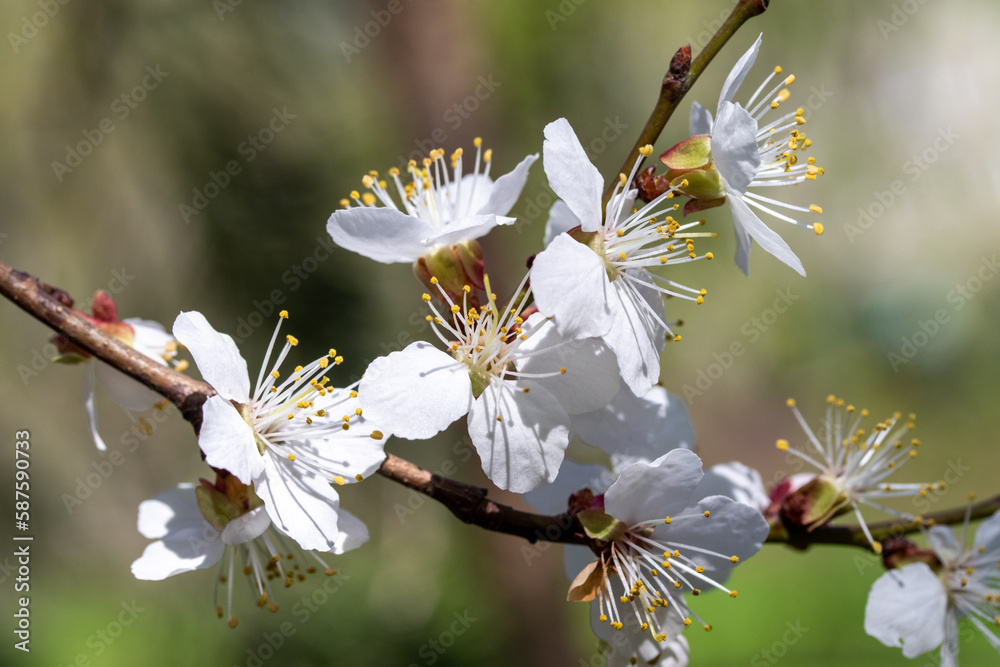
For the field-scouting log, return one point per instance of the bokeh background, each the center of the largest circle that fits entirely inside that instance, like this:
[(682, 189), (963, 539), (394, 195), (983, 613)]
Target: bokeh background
[(901, 98)]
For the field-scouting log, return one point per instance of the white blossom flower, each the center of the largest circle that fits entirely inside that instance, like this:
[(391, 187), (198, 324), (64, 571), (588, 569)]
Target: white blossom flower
[(238, 531), (853, 464), (144, 336), (661, 539), (592, 279), (292, 437), (439, 207), (517, 380), (918, 608), (748, 154)]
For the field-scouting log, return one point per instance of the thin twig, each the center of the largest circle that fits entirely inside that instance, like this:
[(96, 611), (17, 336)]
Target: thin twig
[(681, 75)]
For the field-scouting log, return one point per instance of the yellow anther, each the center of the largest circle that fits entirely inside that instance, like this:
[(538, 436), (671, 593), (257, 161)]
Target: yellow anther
[(339, 481), (707, 514), (782, 445), (345, 203), (709, 255), (667, 521), (355, 194), (783, 95), (368, 199), (818, 228), (426, 297), (734, 559), (777, 69), (292, 340), (487, 155), (646, 150)]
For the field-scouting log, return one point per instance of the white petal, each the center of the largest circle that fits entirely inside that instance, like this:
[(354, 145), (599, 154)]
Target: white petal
[(636, 336), (570, 283), (151, 338), (126, 392), (90, 406), (561, 219), (906, 607), (466, 229), (701, 120), (647, 426), (219, 360), (767, 239), (228, 441), (743, 243), (188, 541), (246, 527), (383, 234), (165, 558), (591, 377), (417, 392), (301, 505), (554, 498), (988, 535), (732, 529), (353, 533), (737, 481), (508, 188), (739, 72), (520, 436), (944, 543), (571, 174), (655, 490), (350, 454), (734, 147), (171, 512)]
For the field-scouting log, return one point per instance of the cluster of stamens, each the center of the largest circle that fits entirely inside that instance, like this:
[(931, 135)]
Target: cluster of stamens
[(780, 155), (645, 574), (266, 561), (436, 192), (484, 338), (650, 237), (857, 461), (302, 407)]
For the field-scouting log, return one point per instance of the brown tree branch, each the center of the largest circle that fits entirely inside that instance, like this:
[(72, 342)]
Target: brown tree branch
[(468, 503), (681, 75)]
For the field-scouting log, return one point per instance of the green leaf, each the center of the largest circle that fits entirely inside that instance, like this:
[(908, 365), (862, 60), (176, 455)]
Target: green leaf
[(600, 525)]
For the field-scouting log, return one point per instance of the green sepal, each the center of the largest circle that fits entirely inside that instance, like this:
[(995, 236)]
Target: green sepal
[(703, 184), (824, 499), (692, 153), (600, 525), (68, 359), (217, 509)]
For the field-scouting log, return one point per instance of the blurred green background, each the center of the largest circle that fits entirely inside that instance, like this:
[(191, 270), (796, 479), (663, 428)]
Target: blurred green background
[(901, 97)]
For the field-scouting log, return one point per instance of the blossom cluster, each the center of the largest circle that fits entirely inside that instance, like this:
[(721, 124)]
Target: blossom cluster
[(564, 360)]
